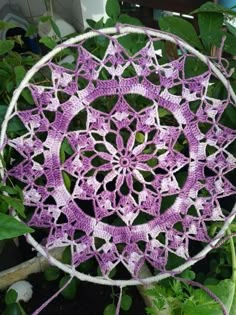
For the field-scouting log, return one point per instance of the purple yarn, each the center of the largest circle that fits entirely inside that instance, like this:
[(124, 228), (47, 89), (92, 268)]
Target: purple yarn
[(124, 160)]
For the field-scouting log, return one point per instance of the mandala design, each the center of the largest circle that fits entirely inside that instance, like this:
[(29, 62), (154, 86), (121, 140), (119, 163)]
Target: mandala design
[(99, 163)]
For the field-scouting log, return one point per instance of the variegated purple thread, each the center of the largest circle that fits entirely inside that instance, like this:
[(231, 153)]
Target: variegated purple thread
[(137, 155)]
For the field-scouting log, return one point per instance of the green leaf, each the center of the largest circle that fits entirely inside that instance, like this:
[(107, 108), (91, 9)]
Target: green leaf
[(91, 23), (31, 30), (231, 28), (127, 41), (13, 59), (55, 28), (139, 137), (213, 7), (225, 290), (209, 25), (70, 291), (15, 204), (10, 296), (3, 206), (51, 273), (66, 180), (8, 189), (188, 274), (48, 42), (3, 109), (181, 28), (10, 86), (20, 73), (126, 302), (113, 8), (22, 310), (6, 46), (201, 303), (15, 125), (99, 24), (87, 266), (110, 309), (45, 18), (101, 41), (10, 227), (110, 22), (66, 256), (12, 309), (27, 96), (194, 67), (162, 112), (233, 306), (211, 281), (230, 44), (126, 19), (6, 25), (6, 67)]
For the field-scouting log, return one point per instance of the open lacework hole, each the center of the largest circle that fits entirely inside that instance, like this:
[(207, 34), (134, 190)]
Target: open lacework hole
[(114, 220), (66, 150), (91, 46), (231, 148), (204, 127), (228, 117), (129, 72), (104, 75), (82, 83), (176, 89), (104, 103), (39, 158), (231, 176), (26, 100), (41, 181), (195, 105), (216, 89), (167, 202), (138, 102), (15, 127), (143, 218), (86, 206), (67, 58), (69, 181), (127, 42), (210, 150), (11, 157), (181, 145), (154, 78), (79, 121), (194, 67), (166, 118), (181, 176)]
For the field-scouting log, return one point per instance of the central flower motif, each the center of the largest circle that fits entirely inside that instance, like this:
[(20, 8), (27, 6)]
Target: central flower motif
[(124, 166), (125, 162)]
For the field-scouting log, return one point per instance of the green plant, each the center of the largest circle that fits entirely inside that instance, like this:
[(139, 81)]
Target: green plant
[(12, 306), (125, 304)]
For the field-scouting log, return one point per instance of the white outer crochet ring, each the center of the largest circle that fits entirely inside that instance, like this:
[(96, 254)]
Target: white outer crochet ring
[(120, 29)]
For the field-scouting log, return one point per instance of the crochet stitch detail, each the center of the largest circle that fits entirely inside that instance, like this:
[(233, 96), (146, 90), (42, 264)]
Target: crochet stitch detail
[(108, 150)]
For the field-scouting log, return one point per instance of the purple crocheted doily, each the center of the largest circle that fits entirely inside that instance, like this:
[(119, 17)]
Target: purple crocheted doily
[(99, 163)]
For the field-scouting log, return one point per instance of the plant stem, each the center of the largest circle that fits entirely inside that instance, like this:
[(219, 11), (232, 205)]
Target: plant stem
[(233, 255)]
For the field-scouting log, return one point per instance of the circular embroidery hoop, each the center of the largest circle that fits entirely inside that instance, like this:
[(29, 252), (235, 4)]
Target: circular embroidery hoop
[(123, 157)]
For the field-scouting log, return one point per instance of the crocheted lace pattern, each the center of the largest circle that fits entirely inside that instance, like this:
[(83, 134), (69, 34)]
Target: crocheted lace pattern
[(108, 142)]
